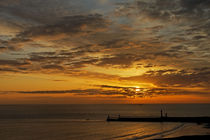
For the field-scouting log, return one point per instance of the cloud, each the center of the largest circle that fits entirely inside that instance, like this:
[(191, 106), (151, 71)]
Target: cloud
[(8, 70), (38, 10), (13, 62), (85, 92), (2, 48), (175, 78), (52, 67), (68, 25), (167, 39), (169, 10), (118, 92), (122, 49)]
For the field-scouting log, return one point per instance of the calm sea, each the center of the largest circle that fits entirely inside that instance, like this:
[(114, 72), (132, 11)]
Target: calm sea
[(78, 122)]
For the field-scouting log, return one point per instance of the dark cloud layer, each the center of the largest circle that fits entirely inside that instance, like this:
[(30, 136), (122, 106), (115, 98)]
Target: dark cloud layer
[(169, 10), (13, 63), (176, 78), (67, 25), (126, 92)]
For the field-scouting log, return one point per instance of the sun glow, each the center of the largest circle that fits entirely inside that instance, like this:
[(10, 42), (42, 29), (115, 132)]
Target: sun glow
[(137, 88)]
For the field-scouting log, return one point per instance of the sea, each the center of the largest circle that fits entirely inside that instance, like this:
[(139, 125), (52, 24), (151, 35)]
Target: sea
[(88, 121)]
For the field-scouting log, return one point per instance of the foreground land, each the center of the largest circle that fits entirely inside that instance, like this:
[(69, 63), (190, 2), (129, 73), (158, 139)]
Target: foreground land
[(197, 137)]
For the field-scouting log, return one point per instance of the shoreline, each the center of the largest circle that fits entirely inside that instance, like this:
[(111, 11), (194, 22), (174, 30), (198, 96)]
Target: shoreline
[(201, 137), (190, 137)]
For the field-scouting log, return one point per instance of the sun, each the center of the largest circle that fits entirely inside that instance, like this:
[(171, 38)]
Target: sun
[(137, 89)]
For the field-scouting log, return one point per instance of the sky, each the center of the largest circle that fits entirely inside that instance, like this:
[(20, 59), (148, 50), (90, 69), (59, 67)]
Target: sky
[(104, 51)]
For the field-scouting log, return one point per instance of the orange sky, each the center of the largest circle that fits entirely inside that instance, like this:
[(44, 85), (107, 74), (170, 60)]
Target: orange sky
[(105, 51)]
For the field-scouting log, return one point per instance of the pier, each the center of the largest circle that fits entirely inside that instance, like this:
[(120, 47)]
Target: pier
[(161, 119)]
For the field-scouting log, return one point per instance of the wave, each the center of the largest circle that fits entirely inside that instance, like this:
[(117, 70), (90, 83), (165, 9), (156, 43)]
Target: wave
[(126, 135), (167, 132)]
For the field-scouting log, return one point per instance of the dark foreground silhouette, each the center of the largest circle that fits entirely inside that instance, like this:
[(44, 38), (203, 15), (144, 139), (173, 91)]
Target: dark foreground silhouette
[(162, 119), (197, 137)]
